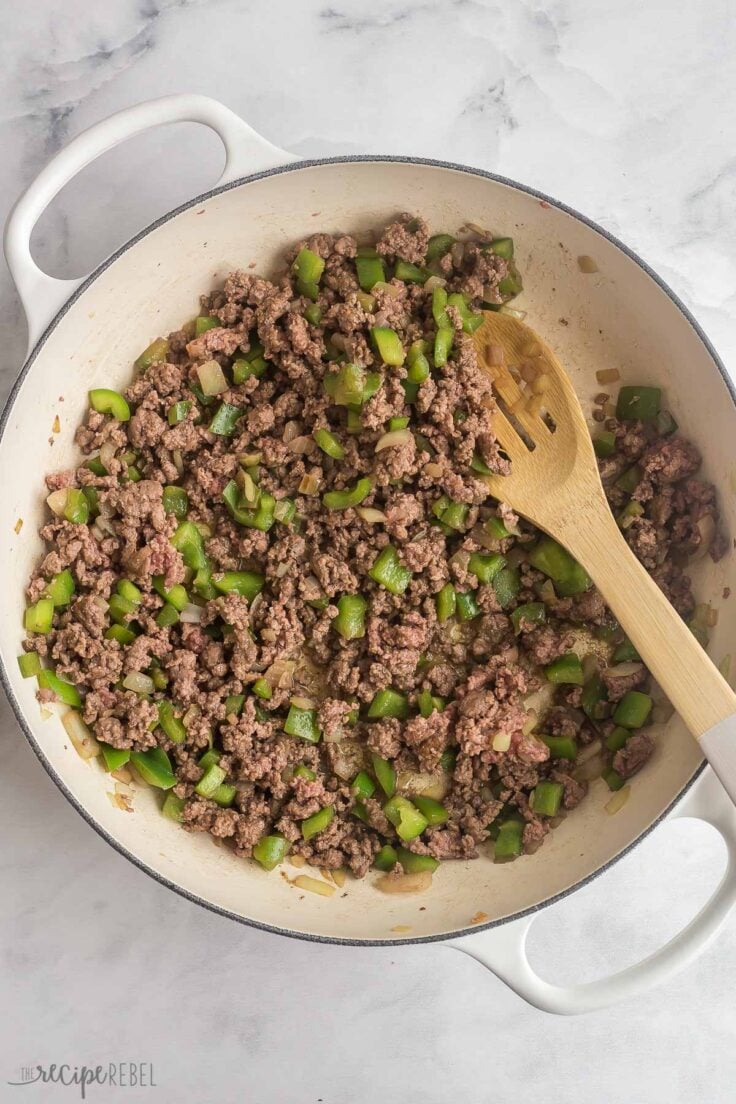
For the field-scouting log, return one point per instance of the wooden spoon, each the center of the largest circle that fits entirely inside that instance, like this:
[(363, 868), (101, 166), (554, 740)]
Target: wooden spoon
[(556, 485)]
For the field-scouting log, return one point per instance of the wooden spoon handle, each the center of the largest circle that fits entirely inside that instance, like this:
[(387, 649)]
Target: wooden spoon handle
[(689, 678)]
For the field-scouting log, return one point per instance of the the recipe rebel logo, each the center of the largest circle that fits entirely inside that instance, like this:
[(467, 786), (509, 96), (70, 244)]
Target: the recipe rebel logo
[(116, 1075)]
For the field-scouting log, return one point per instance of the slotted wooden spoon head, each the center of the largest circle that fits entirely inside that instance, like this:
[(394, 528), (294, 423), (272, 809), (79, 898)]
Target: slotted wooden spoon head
[(540, 426)]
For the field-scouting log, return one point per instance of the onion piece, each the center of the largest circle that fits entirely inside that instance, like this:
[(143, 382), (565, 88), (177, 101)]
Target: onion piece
[(370, 514), (248, 459), (617, 802), (191, 614), (107, 454), (513, 312), (530, 723), (303, 703), (608, 375), (405, 883), (191, 714), (56, 501), (412, 783), (502, 741), (303, 881), (434, 282), (178, 461), (302, 446), (309, 484), (211, 378), (393, 439), (139, 683), (590, 770), (624, 670), (705, 525), (339, 877), (82, 739)]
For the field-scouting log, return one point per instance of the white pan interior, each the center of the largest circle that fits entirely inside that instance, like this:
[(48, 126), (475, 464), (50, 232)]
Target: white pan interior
[(618, 317)]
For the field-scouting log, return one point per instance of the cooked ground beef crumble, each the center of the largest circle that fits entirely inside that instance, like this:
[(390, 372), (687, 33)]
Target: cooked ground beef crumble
[(241, 627)]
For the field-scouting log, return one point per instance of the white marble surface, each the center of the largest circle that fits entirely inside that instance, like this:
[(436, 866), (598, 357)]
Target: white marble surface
[(622, 108)]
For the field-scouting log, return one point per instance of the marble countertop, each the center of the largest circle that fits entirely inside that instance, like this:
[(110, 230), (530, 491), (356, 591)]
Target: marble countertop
[(624, 110)]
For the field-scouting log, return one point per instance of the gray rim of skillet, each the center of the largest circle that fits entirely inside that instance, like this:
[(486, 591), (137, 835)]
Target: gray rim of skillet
[(295, 167)]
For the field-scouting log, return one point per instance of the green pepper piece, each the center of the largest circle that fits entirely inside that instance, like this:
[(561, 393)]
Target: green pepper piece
[(389, 572), (167, 616), (329, 443), (629, 480), (467, 605), (270, 851), (633, 709), (212, 778), (234, 705), (363, 785), (439, 305), (388, 703), (210, 758), (154, 767), (284, 511), (448, 759), (246, 583), (389, 345), (170, 723), (434, 812), (317, 822), (455, 515), (414, 864), (604, 444), (76, 509), (224, 795), (385, 774), (638, 404), (613, 779), (551, 558), (155, 353), (173, 808), (121, 633), (496, 528), (96, 466), (411, 390), (350, 620), (343, 500), (442, 345), (509, 841), (359, 810), (471, 320), (567, 669), (225, 419), (29, 664), (121, 609), (175, 595), (260, 517), (418, 370), (439, 244), (485, 566), (429, 703), (175, 501), (187, 539), (38, 618), (446, 602), (303, 723), (129, 591), (204, 323), (625, 653), (303, 771), (511, 285), (178, 412), (532, 613), (410, 273), (546, 798), (405, 817), (243, 369), (309, 266), (313, 314), (370, 271), (561, 747), (63, 691), (115, 758), (616, 739), (262, 689), (60, 588), (507, 585), (105, 401), (478, 464), (503, 247), (594, 698), (397, 423), (386, 858)]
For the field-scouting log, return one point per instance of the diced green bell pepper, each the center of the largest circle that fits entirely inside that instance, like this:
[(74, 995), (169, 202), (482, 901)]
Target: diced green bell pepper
[(633, 709), (388, 703), (317, 822), (567, 669), (303, 723), (389, 572), (405, 817), (154, 767)]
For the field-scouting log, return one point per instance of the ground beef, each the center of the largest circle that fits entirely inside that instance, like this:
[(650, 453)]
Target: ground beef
[(264, 643)]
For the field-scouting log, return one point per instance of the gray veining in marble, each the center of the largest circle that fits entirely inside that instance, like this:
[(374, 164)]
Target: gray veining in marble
[(622, 108)]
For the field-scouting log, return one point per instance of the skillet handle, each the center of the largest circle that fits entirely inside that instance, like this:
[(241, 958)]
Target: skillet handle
[(503, 949), (43, 296)]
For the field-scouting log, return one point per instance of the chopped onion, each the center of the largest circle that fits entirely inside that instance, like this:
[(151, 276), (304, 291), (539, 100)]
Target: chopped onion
[(370, 514), (191, 614), (433, 470), (302, 446), (297, 860), (107, 454), (82, 739), (139, 683), (589, 665), (405, 883), (249, 459), (588, 771), (705, 525), (513, 312), (624, 670), (587, 264), (391, 290), (589, 751), (178, 461), (251, 493), (339, 876), (100, 602), (502, 741), (280, 675), (608, 375), (106, 526), (191, 714), (530, 723), (282, 569), (309, 484), (303, 703), (56, 501), (122, 774), (434, 282), (618, 800), (303, 881), (349, 758), (393, 439), (457, 251), (423, 783), (211, 378)]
